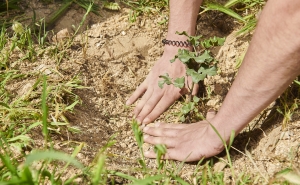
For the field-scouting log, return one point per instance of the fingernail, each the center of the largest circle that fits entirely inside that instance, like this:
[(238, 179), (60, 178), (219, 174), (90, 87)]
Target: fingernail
[(146, 120), (146, 136), (127, 102), (145, 128), (157, 124), (146, 153), (142, 126)]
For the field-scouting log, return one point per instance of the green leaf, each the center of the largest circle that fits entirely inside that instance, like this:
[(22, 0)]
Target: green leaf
[(23, 138), (45, 109), (123, 175), (206, 70), (71, 107), (52, 155), (193, 40), (297, 82), (173, 60), (184, 57), (161, 83), (231, 3), (179, 82), (182, 33), (27, 175), (160, 148), (221, 8), (187, 107), (196, 77), (232, 135), (166, 80), (148, 180), (4, 105), (182, 119), (181, 181), (289, 175), (111, 5), (196, 99), (202, 58)]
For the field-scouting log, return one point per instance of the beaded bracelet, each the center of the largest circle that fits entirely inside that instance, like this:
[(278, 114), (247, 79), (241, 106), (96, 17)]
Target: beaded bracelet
[(176, 43)]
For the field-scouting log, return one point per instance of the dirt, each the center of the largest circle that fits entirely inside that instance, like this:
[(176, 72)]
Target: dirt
[(115, 56)]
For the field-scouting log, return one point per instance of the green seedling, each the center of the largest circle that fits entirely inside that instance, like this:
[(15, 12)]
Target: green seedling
[(190, 108), (160, 151), (140, 141), (140, 7), (227, 147), (199, 65), (208, 6), (111, 5)]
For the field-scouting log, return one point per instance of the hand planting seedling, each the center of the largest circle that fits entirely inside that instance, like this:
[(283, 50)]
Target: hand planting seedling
[(199, 65)]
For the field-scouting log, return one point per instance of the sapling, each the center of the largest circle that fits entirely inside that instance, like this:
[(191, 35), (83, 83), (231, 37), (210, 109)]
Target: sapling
[(199, 64)]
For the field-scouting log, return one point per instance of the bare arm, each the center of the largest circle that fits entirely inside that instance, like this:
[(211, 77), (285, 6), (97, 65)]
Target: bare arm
[(272, 62), (154, 100)]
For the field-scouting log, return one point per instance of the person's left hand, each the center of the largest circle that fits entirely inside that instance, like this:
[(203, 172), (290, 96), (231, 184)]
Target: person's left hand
[(184, 142)]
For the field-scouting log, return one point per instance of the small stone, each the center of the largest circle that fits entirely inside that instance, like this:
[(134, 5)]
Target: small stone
[(61, 35), (123, 33)]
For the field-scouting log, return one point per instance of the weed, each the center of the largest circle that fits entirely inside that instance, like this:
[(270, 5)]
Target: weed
[(144, 7), (140, 140), (199, 65)]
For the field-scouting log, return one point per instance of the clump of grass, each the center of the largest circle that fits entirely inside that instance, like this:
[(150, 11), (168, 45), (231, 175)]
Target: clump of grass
[(139, 7), (245, 11)]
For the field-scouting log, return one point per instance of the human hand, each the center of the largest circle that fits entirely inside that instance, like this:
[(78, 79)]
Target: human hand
[(155, 100), (185, 142)]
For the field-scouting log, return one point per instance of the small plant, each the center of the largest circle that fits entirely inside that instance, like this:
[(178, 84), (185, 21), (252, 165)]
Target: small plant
[(140, 141), (199, 65), (140, 7)]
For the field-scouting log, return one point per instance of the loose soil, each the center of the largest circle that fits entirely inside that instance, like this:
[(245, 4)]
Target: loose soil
[(114, 56)]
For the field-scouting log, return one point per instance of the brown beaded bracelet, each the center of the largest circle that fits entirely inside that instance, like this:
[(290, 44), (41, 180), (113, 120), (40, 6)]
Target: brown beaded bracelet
[(176, 43)]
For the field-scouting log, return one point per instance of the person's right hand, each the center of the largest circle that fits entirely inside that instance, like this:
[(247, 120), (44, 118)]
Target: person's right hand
[(155, 100)]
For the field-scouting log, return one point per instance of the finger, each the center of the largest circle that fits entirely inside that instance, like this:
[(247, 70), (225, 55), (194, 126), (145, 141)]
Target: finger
[(170, 125), (164, 103), (148, 107), (174, 154), (137, 93), (210, 114), (142, 102), (161, 132), (169, 142)]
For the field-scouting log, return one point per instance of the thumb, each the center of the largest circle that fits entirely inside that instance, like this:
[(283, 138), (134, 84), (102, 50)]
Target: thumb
[(210, 114)]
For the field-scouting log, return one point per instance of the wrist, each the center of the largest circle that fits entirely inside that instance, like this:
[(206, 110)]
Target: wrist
[(223, 128)]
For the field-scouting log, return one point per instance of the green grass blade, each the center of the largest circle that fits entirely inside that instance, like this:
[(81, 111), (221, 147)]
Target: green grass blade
[(53, 155), (148, 180), (45, 109), (123, 175), (231, 3), (181, 181), (97, 174), (221, 8)]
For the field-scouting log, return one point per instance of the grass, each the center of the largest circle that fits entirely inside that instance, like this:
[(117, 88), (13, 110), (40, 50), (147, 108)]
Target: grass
[(41, 102)]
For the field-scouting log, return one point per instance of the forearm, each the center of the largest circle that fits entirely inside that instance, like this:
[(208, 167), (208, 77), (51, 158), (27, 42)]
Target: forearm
[(270, 65), (183, 17)]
